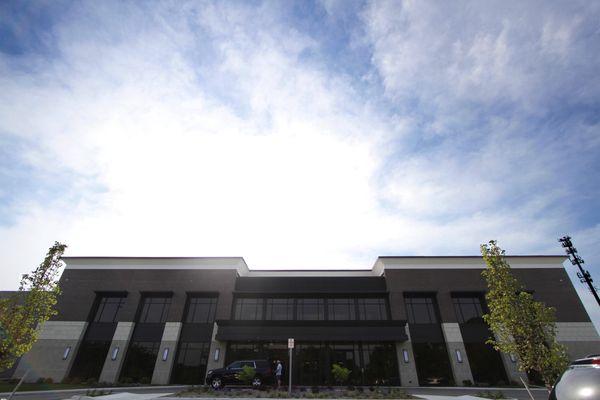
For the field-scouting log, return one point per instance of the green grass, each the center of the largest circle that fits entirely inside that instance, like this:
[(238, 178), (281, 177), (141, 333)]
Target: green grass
[(8, 387)]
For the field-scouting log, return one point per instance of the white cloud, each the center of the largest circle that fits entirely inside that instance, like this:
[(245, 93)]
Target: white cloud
[(202, 130)]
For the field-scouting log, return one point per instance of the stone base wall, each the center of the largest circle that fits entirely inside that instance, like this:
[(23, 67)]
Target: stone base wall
[(45, 359)]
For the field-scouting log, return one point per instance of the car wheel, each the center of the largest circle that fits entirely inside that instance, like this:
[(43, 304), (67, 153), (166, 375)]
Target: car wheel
[(216, 383), (256, 382)]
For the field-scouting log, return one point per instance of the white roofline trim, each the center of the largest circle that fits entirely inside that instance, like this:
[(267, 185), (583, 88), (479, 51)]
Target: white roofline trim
[(516, 262), (239, 264)]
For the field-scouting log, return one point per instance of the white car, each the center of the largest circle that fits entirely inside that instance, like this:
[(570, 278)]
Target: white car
[(581, 381)]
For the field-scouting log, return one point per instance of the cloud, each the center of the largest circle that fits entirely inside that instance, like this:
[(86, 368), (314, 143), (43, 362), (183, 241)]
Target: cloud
[(500, 100), (309, 136)]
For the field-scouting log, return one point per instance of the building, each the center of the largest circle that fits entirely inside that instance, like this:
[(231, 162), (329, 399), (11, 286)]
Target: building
[(406, 321)]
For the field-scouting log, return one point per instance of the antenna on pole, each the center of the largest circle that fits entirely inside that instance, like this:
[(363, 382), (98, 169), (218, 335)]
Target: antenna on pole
[(584, 276)]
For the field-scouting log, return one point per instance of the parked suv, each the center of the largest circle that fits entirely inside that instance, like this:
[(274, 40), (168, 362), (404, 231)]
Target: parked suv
[(581, 381), (217, 378)]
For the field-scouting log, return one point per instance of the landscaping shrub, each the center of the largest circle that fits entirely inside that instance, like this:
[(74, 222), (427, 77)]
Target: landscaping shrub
[(247, 374)]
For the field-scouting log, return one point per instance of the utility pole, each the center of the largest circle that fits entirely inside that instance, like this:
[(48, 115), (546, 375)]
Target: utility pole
[(584, 276)]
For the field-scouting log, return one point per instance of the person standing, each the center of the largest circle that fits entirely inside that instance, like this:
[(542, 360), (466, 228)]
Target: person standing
[(278, 373)]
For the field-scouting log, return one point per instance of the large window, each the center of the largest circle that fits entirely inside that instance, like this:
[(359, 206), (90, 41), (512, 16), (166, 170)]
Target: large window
[(485, 362), (249, 308), (108, 308), (369, 363), (190, 366), (370, 309), (311, 309), (380, 364), (90, 359), (140, 361), (94, 347), (341, 309), (421, 309), (201, 310), (433, 366), (154, 309), (279, 309), (468, 309)]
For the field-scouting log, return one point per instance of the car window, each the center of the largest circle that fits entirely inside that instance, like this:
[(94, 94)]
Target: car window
[(237, 364), (247, 364)]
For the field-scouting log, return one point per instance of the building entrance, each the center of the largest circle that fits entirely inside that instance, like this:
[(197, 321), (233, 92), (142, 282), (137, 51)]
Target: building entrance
[(369, 363)]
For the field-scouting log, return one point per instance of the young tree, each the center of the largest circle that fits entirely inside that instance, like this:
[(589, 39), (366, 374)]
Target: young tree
[(522, 326), (23, 314)]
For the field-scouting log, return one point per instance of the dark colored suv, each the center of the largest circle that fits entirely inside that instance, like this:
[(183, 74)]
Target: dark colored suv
[(217, 378)]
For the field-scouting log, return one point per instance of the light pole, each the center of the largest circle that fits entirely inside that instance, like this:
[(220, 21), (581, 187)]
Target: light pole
[(584, 276)]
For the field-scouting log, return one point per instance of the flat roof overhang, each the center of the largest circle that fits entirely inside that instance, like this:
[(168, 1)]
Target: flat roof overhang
[(312, 331)]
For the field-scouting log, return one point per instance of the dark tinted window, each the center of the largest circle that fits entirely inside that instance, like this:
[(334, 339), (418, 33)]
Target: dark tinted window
[(236, 364), (433, 365), (420, 310), (372, 309), (201, 310), (90, 359), (280, 309), (261, 364), (468, 309), (154, 309), (140, 361), (108, 308), (341, 309), (191, 362), (311, 309), (248, 308)]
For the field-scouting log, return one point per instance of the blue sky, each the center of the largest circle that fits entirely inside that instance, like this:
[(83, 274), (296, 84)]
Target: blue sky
[(298, 134)]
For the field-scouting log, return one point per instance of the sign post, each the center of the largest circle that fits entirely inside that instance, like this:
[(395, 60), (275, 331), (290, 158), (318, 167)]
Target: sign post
[(290, 347)]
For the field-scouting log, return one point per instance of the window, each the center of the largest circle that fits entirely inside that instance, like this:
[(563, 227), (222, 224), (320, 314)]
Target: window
[(468, 309), (108, 308), (248, 308), (341, 309), (280, 309), (421, 309), (311, 309), (486, 364), (235, 365), (190, 366), (201, 310), (433, 365), (372, 309), (154, 309), (139, 362), (90, 359)]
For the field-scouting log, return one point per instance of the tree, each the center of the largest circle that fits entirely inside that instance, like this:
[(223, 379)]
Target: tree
[(23, 314), (522, 326)]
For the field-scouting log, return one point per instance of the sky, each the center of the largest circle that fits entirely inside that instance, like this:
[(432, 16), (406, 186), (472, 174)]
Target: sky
[(309, 134)]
